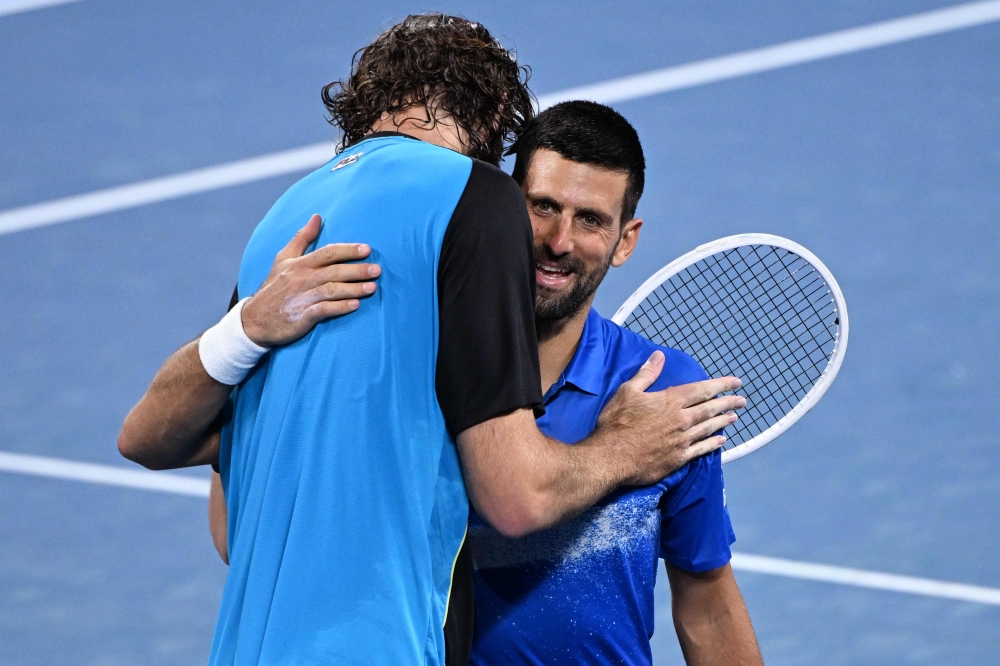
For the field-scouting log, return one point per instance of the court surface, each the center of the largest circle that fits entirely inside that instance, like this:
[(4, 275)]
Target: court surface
[(884, 161)]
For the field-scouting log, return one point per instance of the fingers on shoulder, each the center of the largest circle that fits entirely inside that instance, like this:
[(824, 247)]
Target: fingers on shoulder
[(705, 446), (648, 373), (302, 238), (335, 253), (332, 291), (699, 392), (331, 308)]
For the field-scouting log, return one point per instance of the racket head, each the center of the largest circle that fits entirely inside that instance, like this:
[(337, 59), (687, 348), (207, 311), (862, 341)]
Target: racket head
[(790, 257)]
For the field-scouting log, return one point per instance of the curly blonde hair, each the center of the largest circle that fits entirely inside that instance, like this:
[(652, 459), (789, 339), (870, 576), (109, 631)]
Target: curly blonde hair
[(445, 63)]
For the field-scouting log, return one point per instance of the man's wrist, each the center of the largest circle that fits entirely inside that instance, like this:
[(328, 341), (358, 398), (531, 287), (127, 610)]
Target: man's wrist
[(251, 327), (225, 350), (605, 450)]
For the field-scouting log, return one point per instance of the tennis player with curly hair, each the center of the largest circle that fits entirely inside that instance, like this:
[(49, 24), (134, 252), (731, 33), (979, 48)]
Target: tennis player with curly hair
[(352, 429)]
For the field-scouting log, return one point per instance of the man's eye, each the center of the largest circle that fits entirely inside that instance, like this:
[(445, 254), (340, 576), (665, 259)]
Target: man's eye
[(543, 207)]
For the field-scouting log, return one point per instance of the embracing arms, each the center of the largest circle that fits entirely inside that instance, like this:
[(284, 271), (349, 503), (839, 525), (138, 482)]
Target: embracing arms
[(175, 424), (521, 481), (518, 479)]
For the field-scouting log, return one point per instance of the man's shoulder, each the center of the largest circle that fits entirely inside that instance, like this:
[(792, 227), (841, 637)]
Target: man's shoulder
[(490, 186), (491, 213), (626, 351), (405, 161)]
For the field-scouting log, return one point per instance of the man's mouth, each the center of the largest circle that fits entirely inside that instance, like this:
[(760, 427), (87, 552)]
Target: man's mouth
[(551, 277)]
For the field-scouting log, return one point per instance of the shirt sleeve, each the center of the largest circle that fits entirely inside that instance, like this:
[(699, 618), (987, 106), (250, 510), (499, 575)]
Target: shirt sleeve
[(487, 349), (695, 529)]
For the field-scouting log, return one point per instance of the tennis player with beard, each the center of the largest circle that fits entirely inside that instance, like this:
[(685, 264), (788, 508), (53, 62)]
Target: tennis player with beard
[(351, 442), (582, 592)]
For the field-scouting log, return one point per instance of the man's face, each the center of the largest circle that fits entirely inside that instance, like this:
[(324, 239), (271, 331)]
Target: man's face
[(575, 214)]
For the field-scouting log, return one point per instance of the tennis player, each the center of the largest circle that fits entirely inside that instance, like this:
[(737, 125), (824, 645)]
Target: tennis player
[(582, 592), (340, 453)]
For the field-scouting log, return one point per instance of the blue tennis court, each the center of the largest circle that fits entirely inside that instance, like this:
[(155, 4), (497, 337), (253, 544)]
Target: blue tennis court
[(884, 160)]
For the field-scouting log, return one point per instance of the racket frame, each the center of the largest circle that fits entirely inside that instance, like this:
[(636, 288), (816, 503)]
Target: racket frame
[(840, 341)]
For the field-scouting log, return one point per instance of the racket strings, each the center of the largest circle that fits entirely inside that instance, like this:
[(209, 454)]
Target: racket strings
[(729, 305), (796, 374), (773, 333), (758, 312), (774, 337)]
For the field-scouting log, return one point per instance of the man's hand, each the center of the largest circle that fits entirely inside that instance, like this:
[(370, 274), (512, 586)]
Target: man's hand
[(176, 424), (662, 431), (304, 289)]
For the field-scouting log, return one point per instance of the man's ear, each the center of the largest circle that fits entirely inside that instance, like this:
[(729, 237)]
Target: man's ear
[(626, 246)]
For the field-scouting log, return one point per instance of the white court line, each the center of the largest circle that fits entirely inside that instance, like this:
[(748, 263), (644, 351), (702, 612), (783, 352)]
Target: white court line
[(795, 52), (616, 90), (187, 485), (103, 474), (168, 187), (17, 6), (875, 580)]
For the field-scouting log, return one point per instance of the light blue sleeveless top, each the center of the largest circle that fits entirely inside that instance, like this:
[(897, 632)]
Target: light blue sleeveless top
[(346, 501)]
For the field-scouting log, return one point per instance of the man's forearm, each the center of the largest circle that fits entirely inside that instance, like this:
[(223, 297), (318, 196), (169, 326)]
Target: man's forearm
[(521, 481), (575, 477), (553, 482), (711, 619), (172, 425)]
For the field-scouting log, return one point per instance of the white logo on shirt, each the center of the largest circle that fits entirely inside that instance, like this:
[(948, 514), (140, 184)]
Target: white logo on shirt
[(347, 161)]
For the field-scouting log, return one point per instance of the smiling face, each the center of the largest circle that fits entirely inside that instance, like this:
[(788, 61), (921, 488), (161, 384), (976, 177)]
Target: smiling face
[(575, 214)]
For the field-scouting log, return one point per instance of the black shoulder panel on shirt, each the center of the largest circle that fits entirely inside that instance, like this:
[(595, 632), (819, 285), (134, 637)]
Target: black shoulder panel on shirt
[(487, 349)]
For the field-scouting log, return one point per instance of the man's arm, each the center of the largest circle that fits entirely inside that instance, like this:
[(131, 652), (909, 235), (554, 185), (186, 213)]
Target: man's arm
[(488, 378), (175, 422), (711, 619), (521, 481)]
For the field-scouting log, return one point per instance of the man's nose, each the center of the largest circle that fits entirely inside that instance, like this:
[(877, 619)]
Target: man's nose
[(560, 237)]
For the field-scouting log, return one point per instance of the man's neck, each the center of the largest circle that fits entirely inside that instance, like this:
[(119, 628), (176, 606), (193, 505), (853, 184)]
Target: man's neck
[(557, 345), (416, 121)]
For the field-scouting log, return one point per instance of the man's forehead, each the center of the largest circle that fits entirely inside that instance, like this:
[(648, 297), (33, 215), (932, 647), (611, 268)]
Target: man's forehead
[(574, 183)]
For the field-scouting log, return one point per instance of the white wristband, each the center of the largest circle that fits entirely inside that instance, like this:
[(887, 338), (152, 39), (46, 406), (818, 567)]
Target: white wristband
[(226, 351)]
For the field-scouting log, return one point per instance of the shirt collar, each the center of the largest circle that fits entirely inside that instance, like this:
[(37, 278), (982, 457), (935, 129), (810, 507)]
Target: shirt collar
[(586, 369), (381, 135)]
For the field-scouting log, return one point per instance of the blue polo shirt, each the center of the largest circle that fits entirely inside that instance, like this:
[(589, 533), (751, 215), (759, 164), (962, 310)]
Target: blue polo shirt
[(582, 592)]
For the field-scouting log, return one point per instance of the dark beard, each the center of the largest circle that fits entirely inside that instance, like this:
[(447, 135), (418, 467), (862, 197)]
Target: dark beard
[(552, 311)]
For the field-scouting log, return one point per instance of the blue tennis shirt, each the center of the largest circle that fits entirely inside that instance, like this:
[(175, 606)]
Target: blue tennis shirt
[(582, 592), (347, 507)]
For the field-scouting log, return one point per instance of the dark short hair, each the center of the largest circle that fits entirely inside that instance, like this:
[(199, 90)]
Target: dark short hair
[(445, 63), (589, 133)]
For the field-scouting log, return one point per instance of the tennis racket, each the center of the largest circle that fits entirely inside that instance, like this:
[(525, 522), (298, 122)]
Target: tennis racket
[(757, 307)]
